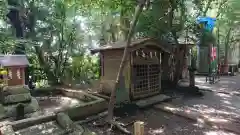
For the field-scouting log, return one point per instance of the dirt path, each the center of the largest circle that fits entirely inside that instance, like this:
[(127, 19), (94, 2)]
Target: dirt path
[(161, 123), (227, 84), (221, 105)]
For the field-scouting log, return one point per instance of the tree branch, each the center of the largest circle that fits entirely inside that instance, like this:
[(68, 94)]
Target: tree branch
[(220, 8), (207, 7)]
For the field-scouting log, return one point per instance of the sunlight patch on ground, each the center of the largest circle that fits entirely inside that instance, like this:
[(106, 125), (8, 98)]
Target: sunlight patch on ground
[(222, 89), (218, 133), (211, 114), (224, 95), (227, 82), (52, 104), (215, 120), (226, 102), (203, 87), (209, 110), (230, 107), (48, 128), (172, 109), (156, 131)]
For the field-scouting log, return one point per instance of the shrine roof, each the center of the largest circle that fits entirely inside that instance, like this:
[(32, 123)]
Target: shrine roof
[(121, 44), (13, 60)]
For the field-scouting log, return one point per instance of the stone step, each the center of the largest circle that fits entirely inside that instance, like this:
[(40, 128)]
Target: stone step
[(152, 100)]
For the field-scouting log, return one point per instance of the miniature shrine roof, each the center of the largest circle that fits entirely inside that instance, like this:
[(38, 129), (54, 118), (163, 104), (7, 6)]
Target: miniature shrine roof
[(121, 44), (13, 60)]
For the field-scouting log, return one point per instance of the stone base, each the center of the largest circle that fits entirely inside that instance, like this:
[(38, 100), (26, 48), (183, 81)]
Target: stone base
[(10, 110), (15, 94), (152, 100)]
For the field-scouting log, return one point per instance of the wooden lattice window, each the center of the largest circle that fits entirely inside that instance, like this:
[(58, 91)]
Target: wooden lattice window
[(141, 78), (153, 76), (146, 79)]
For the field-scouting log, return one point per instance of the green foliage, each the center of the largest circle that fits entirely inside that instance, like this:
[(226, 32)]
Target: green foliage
[(64, 30), (152, 21)]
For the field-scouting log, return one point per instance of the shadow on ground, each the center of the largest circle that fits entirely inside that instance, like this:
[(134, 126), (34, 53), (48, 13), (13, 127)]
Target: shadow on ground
[(161, 123)]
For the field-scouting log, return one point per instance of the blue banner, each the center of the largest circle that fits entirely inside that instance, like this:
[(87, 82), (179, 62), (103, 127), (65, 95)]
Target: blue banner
[(208, 21)]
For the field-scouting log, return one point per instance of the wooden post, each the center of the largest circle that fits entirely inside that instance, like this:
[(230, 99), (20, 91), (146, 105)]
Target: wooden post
[(139, 128)]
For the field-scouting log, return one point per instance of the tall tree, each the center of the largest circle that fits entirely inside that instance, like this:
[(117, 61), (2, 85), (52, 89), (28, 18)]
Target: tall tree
[(112, 101), (17, 17)]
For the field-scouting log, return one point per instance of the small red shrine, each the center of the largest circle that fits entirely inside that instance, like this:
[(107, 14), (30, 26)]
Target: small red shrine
[(15, 66)]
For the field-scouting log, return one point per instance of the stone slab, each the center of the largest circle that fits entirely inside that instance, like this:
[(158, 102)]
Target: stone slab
[(177, 111), (16, 98), (12, 90), (152, 100)]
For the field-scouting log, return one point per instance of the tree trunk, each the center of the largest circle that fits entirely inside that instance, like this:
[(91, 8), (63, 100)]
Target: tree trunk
[(218, 46), (226, 49), (192, 72), (192, 79), (16, 18), (112, 101)]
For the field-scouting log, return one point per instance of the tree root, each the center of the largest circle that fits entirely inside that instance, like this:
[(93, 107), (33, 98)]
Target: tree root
[(114, 124), (92, 118), (119, 126)]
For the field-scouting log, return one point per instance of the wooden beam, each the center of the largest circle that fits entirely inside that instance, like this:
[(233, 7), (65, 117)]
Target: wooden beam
[(139, 128)]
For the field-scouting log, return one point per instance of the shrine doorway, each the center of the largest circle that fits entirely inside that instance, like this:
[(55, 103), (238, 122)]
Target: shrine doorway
[(146, 73)]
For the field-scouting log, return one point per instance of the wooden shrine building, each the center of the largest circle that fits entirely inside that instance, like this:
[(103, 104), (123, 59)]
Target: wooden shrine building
[(142, 72), (15, 66)]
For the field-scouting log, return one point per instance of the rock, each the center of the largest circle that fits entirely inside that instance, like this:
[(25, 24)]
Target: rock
[(65, 122), (31, 107), (77, 130), (107, 86), (7, 130)]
